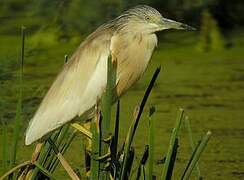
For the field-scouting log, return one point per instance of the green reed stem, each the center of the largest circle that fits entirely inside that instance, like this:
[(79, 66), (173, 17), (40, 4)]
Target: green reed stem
[(63, 150), (128, 142), (44, 171), (189, 130), (95, 164), (58, 140), (114, 146), (195, 156), (41, 159), (18, 118), (173, 140), (141, 174), (4, 147), (151, 143), (137, 115), (106, 105)]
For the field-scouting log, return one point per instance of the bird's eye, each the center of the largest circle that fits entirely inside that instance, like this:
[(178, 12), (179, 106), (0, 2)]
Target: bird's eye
[(148, 18)]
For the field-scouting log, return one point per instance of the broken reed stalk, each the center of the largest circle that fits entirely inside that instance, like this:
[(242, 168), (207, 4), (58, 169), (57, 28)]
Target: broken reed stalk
[(62, 160), (36, 152), (172, 145), (11, 171), (41, 159), (195, 156), (58, 140), (45, 154), (47, 158), (81, 129), (63, 150)]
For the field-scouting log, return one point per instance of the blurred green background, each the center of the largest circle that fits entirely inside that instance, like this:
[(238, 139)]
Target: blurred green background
[(202, 72)]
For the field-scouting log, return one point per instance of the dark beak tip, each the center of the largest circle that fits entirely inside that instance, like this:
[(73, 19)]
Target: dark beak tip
[(193, 29), (188, 28)]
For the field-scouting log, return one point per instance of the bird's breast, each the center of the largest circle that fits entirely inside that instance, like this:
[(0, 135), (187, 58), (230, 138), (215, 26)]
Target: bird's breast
[(133, 53)]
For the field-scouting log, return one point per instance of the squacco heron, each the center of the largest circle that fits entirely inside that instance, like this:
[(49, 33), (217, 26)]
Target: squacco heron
[(130, 39)]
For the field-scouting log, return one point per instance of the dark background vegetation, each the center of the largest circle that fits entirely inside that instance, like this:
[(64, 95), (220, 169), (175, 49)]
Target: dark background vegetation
[(82, 16), (202, 71)]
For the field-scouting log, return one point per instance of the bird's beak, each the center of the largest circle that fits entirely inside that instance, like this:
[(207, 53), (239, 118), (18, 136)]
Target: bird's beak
[(171, 24)]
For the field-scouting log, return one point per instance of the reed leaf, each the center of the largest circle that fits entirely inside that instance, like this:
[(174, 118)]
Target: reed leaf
[(107, 99), (130, 161), (114, 146), (188, 127), (58, 141), (137, 114), (151, 143), (41, 159), (63, 161), (18, 118), (195, 156), (44, 171), (4, 147), (106, 104), (166, 169), (14, 169), (95, 164), (141, 173), (172, 160), (145, 97), (63, 150), (127, 145)]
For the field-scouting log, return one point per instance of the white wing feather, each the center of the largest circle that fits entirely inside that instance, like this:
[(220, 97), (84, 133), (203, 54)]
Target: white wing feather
[(75, 90)]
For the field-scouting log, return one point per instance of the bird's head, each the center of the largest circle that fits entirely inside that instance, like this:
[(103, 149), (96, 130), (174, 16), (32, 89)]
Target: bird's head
[(147, 19)]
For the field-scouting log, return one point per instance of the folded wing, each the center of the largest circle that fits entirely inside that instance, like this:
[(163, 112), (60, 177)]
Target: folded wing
[(76, 88)]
